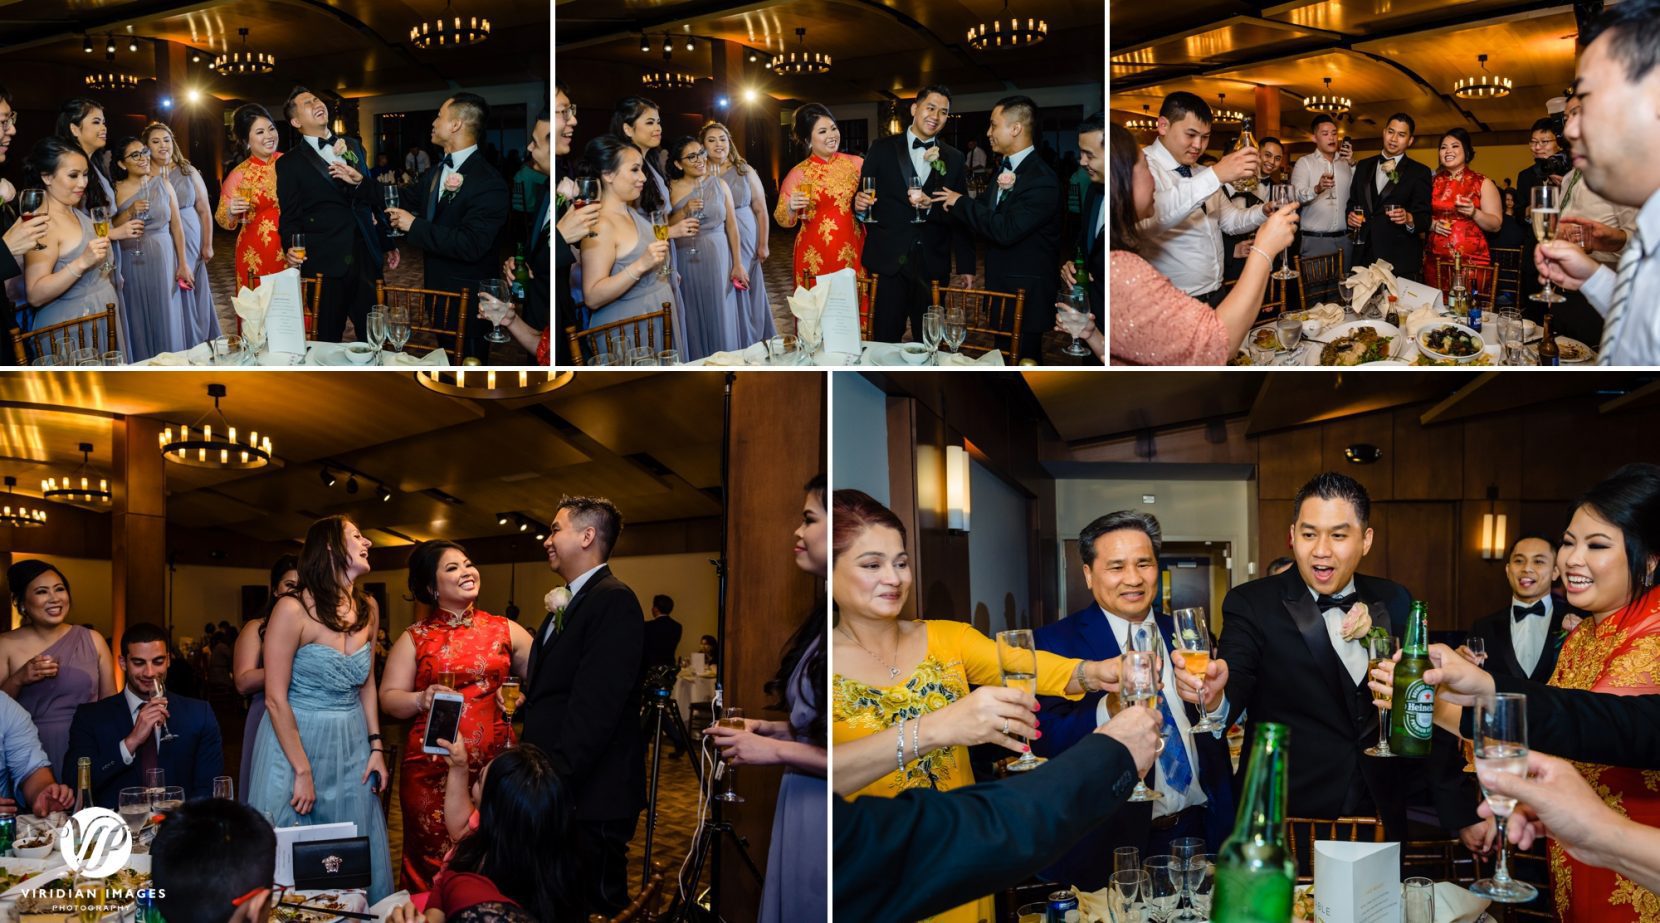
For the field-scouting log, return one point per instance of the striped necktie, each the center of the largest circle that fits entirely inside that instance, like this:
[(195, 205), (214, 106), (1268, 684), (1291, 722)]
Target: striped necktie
[(1623, 283)]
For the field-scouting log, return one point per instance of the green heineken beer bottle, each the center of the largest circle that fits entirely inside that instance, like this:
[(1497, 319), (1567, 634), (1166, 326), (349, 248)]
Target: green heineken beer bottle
[(1255, 871), (1412, 710)]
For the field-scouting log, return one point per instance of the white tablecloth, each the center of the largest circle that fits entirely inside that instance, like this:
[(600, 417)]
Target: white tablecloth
[(316, 353), (872, 355), (690, 687)]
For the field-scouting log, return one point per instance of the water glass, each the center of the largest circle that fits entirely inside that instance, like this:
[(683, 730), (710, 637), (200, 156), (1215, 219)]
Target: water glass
[(133, 804), (1166, 876), (1200, 883), (224, 787), (1290, 330), (494, 291), (668, 357), (1033, 913), (45, 359), (1418, 900), (375, 327), (88, 356), (1511, 331), (642, 355), (115, 357), (779, 349), (227, 349)]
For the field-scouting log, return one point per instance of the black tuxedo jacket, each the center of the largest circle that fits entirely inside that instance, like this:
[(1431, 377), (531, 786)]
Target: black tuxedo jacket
[(1592, 727), (1501, 654), (998, 833), (1092, 242), (890, 240), (193, 760), (328, 212), (538, 253), (460, 236), (1282, 668), (583, 705), (1380, 238), (1022, 234)]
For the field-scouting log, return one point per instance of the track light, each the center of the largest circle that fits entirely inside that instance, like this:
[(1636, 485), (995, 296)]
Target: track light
[(645, 43), (668, 46), (523, 525), (110, 47), (689, 46), (541, 534), (503, 518), (86, 44), (327, 477), (384, 494), (351, 484), (195, 57), (132, 44)]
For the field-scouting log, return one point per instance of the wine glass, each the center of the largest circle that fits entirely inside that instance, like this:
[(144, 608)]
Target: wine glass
[(1126, 859), (1165, 878), (493, 292), (1185, 849), (956, 328), (133, 804), (375, 327), (1126, 889), (660, 230), (1547, 208), (933, 330), (1501, 746), (101, 226), (1141, 687), (397, 327), (390, 193), (1290, 331), (731, 718), (694, 209), (1279, 196), (1200, 883), (224, 787), (161, 693), (29, 201), (1193, 640), (1380, 647), (587, 192), (868, 184), (1074, 317), (1017, 660), (915, 193), (141, 211), (1477, 646)]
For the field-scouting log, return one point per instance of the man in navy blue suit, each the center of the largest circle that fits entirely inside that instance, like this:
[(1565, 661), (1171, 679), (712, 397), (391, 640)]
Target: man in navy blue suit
[(123, 733), (1192, 775)]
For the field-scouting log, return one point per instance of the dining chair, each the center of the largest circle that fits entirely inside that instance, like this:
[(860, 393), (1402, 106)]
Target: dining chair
[(1303, 832), (1509, 262), (630, 332), (644, 907), (1317, 278), (441, 315), (1482, 279), (867, 306), (993, 318), (73, 334)]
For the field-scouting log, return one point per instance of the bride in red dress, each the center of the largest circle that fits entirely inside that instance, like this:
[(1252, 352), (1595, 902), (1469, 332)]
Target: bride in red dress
[(829, 238), (1465, 204), (250, 191), (478, 651)]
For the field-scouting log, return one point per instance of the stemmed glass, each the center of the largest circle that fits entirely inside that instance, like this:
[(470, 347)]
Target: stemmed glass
[(1477, 646), (1380, 648), (915, 191), (155, 783), (1510, 335), (731, 718), (1074, 318), (1547, 208), (933, 330), (1017, 659), (134, 807), (1141, 687), (1280, 196), (1501, 746), (141, 211), (1127, 888), (1193, 640), (1201, 883), (1185, 849), (660, 230), (493, 293), (376, 327), (956, 328), (587, 192), (1165, 879), (397, 327), (806, 187), (296, 243), (868, 184), (391, 195), (695, 210), (1290, 330), (29, 201), (101, 226), (1126, 859), (161, 693)]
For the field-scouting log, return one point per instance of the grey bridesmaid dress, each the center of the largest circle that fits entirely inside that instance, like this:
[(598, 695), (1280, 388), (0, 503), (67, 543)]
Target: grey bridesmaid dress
[(149, 267), (201, 321), (645, 297), (711, 305), (754, 311)]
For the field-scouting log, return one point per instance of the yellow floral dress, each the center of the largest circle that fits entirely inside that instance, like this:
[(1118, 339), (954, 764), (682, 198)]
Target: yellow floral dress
[(829, 239), (1619, 655), (958, 656)]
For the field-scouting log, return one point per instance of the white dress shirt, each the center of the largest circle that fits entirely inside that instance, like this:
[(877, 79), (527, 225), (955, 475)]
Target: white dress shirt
[(458, 158), (1637, 339), (918, 164), (1327, 211), (1352, 653), (1173, 801), (1385, 162), (575, 586), (1579, 200), (1527, 637), (1183, 239), (134, 703), (323, 149)]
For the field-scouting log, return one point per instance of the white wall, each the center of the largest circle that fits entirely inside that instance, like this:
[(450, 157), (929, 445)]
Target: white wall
[(1220, 511), (860, 445), (998, 577)]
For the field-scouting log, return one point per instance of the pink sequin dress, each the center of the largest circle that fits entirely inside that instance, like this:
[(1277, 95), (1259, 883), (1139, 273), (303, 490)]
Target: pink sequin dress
[(1153, 322)]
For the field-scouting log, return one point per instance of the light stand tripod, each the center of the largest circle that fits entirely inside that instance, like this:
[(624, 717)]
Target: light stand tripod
[(708, 844), (659, 705)]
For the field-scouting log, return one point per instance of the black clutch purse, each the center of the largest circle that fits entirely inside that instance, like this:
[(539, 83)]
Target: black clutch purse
[(329, 865)]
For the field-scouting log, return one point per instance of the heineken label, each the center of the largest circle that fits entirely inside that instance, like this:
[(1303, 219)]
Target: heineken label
[(1251, 896), (1419, 720)]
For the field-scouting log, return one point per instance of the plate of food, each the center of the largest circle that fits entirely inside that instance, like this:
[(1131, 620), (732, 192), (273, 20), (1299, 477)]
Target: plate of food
[(1450, 341), (1356, 343), (319, 906), (1573, 352), (1265, 338)]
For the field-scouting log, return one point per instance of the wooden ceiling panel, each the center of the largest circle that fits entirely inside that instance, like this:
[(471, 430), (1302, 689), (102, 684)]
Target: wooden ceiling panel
[(1348, 16)]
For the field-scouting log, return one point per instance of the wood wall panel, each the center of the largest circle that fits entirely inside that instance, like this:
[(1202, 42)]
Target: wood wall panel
[(1490, 457), (1428, 462), (1420, 540), (1285, 461), (1375, 428)]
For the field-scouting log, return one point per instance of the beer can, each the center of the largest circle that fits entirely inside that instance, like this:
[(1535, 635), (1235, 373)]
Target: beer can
[(1063, 907)]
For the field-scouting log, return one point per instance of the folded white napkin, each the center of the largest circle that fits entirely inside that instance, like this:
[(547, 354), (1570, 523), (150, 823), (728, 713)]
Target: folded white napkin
[(1454, 904), (1094, 907), (200, 354), (1322, 317), (753, 354), (989, 357), (251, 305), (1417, 320), (1364, 282), (437, 357), (808, 307)]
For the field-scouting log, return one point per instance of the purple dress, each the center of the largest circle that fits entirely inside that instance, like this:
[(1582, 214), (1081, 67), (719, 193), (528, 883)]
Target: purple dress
[(52, 701), (797, 860)]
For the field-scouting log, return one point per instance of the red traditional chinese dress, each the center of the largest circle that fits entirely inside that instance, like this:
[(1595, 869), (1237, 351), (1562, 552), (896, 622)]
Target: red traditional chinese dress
[(1466, 238), (829, 239), (478, 648), (1621, 656), (258, 245)]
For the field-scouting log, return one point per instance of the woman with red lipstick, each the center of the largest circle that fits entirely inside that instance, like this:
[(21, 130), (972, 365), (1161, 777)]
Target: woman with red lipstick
[(817, 194), (620, 262), (902, 714), (71, 277), (1466, 204), (50, 666), (476, 651), (248, 198)]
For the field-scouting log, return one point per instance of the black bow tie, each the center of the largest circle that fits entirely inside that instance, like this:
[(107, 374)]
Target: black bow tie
[(1325, 602), (1521, 612), (326, 142), (449, 161), (916, 143), (1185, 171)]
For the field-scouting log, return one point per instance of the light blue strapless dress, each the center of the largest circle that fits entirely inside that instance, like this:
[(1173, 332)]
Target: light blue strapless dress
[(323, 695)]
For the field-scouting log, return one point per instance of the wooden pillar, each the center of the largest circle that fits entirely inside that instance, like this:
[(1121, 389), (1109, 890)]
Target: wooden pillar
[(138, 525), (777, 444), (1268, 113)]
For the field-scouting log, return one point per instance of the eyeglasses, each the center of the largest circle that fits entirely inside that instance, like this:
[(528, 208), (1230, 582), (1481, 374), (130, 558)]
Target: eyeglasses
[(569, 112), (8, 123), (700, 155), (138, 155)]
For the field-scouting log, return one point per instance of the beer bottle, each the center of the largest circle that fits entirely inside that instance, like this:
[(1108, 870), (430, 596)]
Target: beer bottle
[(1255, 870), (1412, 710), (1549, 352), (1080, 274), (83, 785), (521, 274), (1246, 139)]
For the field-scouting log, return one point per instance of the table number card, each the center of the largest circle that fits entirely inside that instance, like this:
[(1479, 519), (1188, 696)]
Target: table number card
[(840, 323), (285, 319), (1357, 882)]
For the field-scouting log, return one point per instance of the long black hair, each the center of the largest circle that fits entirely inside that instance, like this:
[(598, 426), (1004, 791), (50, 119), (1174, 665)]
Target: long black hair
[(524, 802), (805, 118), (626, 114), (1630, 499), (118, 157), (73, 113), (279, 568), (675, 170), (1122, 152), (242, 123), (23, 573), (46, 157), (604, 155), (811, 686)]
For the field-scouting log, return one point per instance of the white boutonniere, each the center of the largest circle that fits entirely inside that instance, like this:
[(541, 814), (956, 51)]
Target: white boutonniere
[(557, 600), (344, 151), (1357, 623), (7, 191), (1393, 174), (1005, 180), (932, 157), (564, 192), (452, 186)]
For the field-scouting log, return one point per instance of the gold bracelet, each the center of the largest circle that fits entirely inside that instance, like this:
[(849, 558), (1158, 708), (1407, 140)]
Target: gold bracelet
[(1079, 674)]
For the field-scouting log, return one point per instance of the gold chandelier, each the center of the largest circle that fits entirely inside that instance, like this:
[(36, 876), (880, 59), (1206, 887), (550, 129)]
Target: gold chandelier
[(208, 448), (19, 516), (448, 31), (667, 80), (1144, 122), (110, 82), (1328, 103), (1013, 33), (1222, 115), (1484, 85), (492, 384), (67, 491), (244, 62), (803, 61)]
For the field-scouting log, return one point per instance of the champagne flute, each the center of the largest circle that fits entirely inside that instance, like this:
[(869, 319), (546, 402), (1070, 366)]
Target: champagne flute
[(509, 696), (1478, 649), (141, 211), (956, 328), (731, 718), (1141, 687), (868, 184), (1501, 746), (587, 193), (1127, 889), (391, 195), (101, 227), (1074, 317), (1547, 209), (915, 193), (694, 209), (161, 693), (493, 292), (1126, 859), (1193, 640), (933, 330), (297, 244), (1280, 195), (29, 201), (1380, 648), (660, 230), (375, 327), (1017, 660), (155, 783), (806, 187), (397, 327)]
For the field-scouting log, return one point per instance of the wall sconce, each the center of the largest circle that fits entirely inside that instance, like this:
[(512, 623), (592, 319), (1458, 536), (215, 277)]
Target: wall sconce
[(1362, 453), (956, 488), (1493, 528)]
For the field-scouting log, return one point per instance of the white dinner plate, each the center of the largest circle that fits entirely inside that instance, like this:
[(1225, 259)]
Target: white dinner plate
[(1341, 330)]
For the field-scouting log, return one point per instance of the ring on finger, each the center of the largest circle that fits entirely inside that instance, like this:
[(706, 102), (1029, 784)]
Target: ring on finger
[(1005, 727)]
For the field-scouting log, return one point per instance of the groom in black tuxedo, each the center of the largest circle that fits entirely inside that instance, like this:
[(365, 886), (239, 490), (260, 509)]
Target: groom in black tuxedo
[(1395, 212), (583, 704), (906, 256), (1021, 224), (460, 206), (321, 186)]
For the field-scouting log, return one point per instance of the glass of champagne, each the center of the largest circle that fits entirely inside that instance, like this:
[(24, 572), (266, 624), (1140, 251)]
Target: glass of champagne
[(1380, 647), (587, 193), (397, 327), (868, 184), (161, 693), (1547, 208), (375, 325), (1280, 195), (297, 245), (447, 678), (1501, 746), (391, 195), (915, 196), (806, 187), (101, 226), (509, 696), (1017, 660), (1354, 233), (933, 331), (141, 212), (660, 230), (29, 202), (493, 292), (134, 806), (224, 787), (731, 718), (1141, 687), (956, 328), (1193, 640)]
